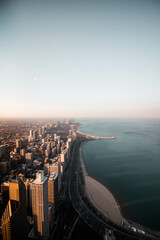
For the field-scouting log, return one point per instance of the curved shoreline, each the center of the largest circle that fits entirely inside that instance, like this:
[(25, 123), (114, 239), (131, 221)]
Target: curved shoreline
[(90, 184), (101, 197), (94, 137)]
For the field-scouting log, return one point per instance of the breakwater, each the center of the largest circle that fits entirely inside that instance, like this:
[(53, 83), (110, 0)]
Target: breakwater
[(93, 137)]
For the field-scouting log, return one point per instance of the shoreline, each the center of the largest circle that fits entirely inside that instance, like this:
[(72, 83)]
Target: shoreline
[(101, 197), (94, 137), (113, 211)]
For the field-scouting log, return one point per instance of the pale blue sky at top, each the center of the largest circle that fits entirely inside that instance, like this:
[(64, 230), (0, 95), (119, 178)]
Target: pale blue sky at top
[(80, 58)]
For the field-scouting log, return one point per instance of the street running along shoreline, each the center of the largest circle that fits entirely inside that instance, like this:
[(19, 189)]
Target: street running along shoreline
[(101, 197), (107, 204)]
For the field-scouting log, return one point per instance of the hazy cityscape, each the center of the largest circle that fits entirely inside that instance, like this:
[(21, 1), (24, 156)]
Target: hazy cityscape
[(80, 119), (37, 186), (34, 155), (46, 192)]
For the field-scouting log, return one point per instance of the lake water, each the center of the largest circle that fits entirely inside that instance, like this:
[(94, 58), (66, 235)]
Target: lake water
[(129, 166)]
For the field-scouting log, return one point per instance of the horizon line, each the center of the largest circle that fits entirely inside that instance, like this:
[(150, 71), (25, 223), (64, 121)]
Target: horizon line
[(94, 117)]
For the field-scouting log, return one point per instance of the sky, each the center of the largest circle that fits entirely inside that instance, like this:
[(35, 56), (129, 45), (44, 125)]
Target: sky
[(79, 58)]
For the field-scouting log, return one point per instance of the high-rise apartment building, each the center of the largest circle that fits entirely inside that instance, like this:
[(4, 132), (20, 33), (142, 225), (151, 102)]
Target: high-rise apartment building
[(43, 130), (70, 133), (28, 185), (40, 205), (10, 221), (31, 133), (56, 167), (4, 193), (64, 158), (14, 218), (58, 148), (18, 143), (35, 134), (40, 131), (55, 136), (53, 189), (29, 158), (69, 145)]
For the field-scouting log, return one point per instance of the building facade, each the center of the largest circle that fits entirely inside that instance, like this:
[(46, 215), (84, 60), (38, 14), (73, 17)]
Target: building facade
[(40, 205)]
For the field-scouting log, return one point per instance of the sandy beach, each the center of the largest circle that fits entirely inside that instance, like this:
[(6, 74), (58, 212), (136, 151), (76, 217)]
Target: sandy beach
[(106, 203), (101, 197)]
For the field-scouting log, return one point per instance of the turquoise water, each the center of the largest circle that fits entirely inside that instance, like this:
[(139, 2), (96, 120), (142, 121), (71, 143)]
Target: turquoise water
[(129, 165)]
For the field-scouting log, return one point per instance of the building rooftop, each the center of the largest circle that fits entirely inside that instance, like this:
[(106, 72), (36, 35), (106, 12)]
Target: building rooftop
[(53, 176), (64, 152), (40, 178)]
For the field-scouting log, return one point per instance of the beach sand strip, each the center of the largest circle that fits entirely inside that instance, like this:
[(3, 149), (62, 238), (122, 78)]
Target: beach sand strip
[(103, 199)]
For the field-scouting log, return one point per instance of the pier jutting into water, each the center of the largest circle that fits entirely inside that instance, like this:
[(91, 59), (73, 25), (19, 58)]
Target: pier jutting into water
[(93, 137)]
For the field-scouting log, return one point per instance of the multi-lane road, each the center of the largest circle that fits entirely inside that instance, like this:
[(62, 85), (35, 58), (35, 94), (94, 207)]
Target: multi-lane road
[(69, 225), (82, 205), (76, 215)]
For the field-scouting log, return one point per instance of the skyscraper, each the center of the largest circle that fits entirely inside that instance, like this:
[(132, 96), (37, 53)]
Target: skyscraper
[(18, 143), (53, 189), (29, 158), (31, 133), (9, 222), (70, 133), (40, 131), (14, 218), (40, 205), (43, 130), (35, 134), (56, 167), (55, 136), (64, 158)]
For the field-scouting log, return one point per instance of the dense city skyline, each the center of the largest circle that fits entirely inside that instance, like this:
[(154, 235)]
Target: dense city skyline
[(80, 58)]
